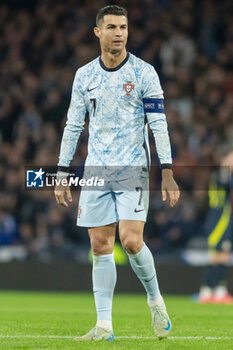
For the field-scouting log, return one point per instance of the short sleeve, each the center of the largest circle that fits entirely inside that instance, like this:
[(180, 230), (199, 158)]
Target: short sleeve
[(150, 83)]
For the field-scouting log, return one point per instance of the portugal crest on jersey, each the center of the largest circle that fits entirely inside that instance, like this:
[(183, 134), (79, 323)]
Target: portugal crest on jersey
[(128, 87)]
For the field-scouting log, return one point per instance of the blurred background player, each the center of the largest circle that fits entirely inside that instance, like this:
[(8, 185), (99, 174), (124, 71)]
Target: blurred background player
[(219, 226)]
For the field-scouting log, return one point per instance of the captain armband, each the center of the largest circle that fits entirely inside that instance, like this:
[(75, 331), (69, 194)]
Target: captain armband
[(153, 105)]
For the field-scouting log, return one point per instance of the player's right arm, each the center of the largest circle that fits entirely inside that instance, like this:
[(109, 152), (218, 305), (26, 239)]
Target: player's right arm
[(61, 191), (74, 127)]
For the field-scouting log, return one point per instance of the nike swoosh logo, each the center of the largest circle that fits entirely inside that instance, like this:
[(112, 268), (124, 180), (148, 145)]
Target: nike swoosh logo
[(92, 88), (150, 279), (168, 326), (137, 211)]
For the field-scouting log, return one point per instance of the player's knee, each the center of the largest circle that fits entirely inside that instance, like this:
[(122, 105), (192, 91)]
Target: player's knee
[(98, 248), (132, 244), (101, 246), (220, 257)]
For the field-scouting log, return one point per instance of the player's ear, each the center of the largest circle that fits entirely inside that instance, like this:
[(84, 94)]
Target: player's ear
[(97, 32)]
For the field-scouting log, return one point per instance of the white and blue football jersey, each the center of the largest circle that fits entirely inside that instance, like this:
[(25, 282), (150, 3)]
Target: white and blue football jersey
[(121, 102)]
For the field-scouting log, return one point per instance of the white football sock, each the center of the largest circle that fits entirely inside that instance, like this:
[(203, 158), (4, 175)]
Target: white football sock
[(104, 281), (205, 292), (220, 291), (157, 301), (105, 324), (143, 265)]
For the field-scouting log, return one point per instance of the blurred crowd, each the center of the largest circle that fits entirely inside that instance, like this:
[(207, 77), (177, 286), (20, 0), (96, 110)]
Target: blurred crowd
[(43, 42)]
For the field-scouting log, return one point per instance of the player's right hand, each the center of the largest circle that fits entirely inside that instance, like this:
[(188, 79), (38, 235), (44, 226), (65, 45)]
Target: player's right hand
[(60, 192)]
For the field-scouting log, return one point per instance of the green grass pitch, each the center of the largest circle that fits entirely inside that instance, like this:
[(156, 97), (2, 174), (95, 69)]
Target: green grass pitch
[(35, 321)]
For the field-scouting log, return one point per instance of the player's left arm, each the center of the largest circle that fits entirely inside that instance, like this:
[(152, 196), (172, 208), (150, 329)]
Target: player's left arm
[(74, 127), (154, 109)]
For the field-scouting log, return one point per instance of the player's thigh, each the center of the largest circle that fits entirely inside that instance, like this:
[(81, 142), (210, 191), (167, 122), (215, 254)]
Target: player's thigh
[(133, 204), (96, 209)]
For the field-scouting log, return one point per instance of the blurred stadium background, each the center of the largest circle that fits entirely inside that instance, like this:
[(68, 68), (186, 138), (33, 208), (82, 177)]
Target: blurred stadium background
[(43, 42)]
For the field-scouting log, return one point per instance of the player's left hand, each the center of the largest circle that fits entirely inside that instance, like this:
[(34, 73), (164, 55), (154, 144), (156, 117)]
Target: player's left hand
[(169, 186)]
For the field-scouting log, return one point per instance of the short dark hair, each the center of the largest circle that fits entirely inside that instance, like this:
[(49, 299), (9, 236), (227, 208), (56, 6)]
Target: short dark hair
[(110, 10)]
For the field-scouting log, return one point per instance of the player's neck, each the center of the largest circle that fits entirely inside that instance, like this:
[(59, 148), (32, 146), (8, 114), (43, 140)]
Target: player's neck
[(111, 60)]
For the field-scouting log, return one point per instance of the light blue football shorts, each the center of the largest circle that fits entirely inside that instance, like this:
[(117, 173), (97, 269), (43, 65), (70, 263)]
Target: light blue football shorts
[(103, 207)]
